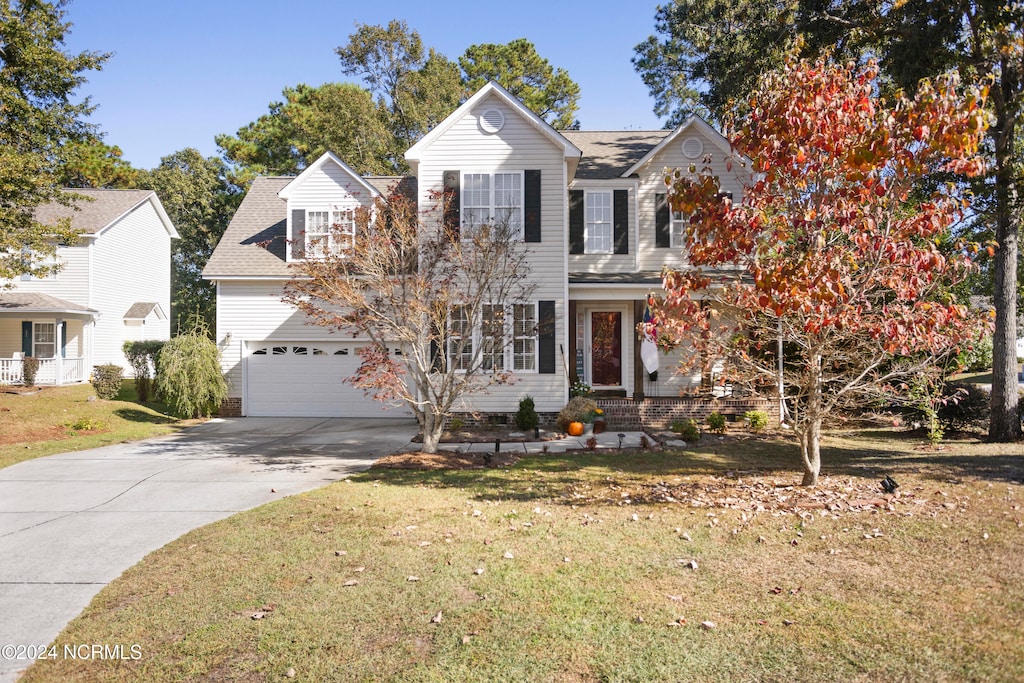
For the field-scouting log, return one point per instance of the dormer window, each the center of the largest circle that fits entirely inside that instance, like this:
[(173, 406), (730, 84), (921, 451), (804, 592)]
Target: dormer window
[(329, 232)]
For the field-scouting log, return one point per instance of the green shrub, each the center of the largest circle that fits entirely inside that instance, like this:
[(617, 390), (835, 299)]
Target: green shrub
[(189, 372), (527, 418), (29, 369), (85, 424), (142, 356), (106, 380), (756, 419), (716, 422), (687, 430), (577, 410), (978, 357), (456, 423), (964, 407)]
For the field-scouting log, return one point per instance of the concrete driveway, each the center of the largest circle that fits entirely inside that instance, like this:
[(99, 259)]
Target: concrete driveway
[(71, 523)]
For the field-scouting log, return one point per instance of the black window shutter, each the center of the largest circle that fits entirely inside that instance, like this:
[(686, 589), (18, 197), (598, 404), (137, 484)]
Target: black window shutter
[(620, 217), (298, 233), (576, 221), (546, 337), (452, 204), (436, 358), (531, 201), (26, 337), (64, 339), (661, 221)]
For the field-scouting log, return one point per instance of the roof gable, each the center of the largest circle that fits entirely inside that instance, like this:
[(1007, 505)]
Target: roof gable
[(327, 158), (97, 210), (694, 123), (569, 150)]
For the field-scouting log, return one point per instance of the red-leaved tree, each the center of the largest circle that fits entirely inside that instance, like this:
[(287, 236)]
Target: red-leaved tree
[(839, 248)]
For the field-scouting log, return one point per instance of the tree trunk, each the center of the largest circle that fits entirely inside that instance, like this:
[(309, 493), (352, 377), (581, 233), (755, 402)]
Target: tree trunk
[(432, 427), (1004, 420), (810, 436), (810, 449)]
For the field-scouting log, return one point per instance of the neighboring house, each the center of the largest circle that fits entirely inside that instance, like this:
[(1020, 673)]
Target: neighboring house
[(594, 219), (114, 285)]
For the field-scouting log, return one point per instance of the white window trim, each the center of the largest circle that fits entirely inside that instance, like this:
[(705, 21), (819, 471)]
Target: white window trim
[(36, 342), (492, 206), (587, 194), (676, 226), (336, 215), (476, 350)]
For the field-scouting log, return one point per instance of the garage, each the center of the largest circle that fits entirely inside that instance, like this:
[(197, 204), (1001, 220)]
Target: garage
[(304, 379)]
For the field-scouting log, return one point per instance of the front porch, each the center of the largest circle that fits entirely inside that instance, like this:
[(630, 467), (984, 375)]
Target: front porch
[(55, 332), (52, 371)]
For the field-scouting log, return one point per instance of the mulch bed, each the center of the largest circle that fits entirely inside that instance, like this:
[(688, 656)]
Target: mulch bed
[(446, 460)]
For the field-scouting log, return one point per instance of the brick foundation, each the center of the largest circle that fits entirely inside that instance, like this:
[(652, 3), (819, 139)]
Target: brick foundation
[(546, 420), (230, 407), (660, 413)]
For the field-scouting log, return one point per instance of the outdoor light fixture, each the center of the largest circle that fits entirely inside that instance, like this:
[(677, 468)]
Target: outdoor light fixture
[(889, 484), (621, 437)]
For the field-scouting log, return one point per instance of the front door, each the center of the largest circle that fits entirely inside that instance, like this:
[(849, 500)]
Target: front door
[(606, 348)]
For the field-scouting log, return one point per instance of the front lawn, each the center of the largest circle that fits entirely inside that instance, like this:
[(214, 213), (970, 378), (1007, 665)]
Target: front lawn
[(48, 420), (702, 565)]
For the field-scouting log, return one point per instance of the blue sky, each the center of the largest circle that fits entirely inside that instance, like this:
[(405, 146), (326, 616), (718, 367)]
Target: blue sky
[(186, 70)]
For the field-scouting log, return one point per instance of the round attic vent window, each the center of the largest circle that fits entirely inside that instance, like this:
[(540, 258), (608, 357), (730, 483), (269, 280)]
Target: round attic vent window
[(492, 120), (692, 148)]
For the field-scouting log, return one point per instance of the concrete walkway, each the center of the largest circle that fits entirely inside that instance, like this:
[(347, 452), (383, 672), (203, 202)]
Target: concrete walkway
[(605, 440), (71, 523)]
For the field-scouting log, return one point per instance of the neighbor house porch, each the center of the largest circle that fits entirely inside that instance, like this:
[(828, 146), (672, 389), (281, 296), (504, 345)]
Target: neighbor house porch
[(55, 332)]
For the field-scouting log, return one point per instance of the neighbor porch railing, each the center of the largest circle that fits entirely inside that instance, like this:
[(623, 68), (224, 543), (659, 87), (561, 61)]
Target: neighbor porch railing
[(72, 370)]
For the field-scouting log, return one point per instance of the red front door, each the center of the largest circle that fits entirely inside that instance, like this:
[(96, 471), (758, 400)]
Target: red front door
[(606, 348)]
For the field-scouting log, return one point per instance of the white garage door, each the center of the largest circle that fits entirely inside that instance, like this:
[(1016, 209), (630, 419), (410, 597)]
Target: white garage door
[(304, 379)]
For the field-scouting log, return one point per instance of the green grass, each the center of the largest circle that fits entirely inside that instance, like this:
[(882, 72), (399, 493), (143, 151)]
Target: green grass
[(927, 586), (59, 419)]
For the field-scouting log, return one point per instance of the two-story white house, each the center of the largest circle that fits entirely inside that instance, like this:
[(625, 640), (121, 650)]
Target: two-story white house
[(595, 223), (114, 285)]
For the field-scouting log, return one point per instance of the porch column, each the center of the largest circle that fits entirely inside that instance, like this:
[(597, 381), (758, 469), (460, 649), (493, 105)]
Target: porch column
[(573, 377), (58, 351), (638, 366)]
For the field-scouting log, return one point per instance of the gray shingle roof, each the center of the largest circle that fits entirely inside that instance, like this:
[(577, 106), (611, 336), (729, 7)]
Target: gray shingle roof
[(33, 302), (140, 310), (92, 216), (255, 243), (609, 154)]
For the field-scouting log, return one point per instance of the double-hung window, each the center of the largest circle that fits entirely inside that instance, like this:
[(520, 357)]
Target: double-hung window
[(598, 237), (495, 198), (329, 232), (44, 340), (501, 338), (677, 229)]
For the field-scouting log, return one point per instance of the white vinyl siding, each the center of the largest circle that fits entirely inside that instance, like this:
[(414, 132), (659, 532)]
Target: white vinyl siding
[(131, 263), (597, 234), (329, 197), (652, 182), (517, 147)]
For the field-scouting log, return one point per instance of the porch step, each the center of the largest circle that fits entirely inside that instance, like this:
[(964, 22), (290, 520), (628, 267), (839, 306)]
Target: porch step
[(620, 413)]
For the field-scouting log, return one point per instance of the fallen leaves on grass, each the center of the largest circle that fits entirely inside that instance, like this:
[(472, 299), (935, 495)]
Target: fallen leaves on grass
[(445, 460)]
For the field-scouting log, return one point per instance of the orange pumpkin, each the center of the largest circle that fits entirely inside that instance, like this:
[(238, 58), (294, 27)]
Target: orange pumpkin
[(575, 428)]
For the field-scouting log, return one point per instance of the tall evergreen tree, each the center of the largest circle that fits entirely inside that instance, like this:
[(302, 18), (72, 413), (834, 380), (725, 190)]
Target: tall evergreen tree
[(40, 120)]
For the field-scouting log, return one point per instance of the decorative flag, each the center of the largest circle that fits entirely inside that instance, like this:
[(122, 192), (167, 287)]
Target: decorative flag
[(649, 347)]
